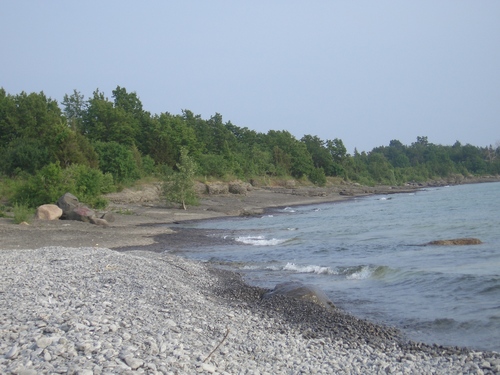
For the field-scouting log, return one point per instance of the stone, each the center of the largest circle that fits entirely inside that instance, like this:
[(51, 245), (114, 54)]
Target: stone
[(217, 188), (208, 367), (43, 342), (133, 363), (81, 213), (238, 187), (109, 217), (294, 289), (72, 209), (48, 212), (67, 203), (97, 221), (12, 353), (456, 241)]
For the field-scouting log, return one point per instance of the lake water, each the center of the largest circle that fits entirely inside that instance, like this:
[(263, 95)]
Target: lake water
[(362, 253)]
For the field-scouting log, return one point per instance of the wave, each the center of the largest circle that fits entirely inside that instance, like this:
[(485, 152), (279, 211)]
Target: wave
[(319, 270), (365, 272), (260, 240)]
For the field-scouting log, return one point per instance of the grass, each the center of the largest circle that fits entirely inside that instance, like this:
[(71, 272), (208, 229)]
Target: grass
[(22, 213)]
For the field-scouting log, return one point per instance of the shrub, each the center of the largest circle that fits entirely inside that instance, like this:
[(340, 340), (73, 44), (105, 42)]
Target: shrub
[(118, 160), (179, 186), (48, 184), (24, 154), (44, 187), (317, 176), (22, 213)]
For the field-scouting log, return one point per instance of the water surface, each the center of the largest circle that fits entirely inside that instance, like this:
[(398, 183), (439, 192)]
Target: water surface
[(362, 253)]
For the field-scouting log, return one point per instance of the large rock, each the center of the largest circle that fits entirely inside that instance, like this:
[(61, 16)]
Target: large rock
[(67, 203), (456, 241), (74, 210), (81, 213), (217, 188), (238, 187), (294, 289), (48, 212)]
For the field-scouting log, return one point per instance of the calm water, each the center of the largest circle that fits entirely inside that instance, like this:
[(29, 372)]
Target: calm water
[(362, 254)]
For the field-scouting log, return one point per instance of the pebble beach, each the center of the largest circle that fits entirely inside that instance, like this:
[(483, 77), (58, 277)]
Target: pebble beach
[(98, 311)]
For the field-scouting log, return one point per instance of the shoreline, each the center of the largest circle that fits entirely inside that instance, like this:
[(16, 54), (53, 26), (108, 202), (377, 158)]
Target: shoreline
[(304, 320), (99, 311)]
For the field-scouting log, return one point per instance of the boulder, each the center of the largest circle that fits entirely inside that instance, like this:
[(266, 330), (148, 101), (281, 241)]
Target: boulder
[(67, 203), (48, 212), (72, 209), (294, 289), (456, 241), (81, 213), (238, 187), (217, 188)]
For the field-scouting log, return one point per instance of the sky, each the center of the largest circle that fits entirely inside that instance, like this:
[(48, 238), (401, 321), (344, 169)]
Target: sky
[(366, 72)]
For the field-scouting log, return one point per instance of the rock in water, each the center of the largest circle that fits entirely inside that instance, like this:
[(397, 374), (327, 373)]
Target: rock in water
[(456, 241), (48, 212), (298, 290)]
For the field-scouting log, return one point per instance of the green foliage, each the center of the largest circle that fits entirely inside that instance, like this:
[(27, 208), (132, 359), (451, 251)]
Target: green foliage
[(24, 155), (88, 184), (44, 187), (317, 176), (118, 160), (51, 182), (22, 213), (179, 186), (213, 165), (118, 138)]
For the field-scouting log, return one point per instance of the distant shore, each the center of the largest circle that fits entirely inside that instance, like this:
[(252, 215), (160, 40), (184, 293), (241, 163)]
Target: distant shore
[(141, 215)]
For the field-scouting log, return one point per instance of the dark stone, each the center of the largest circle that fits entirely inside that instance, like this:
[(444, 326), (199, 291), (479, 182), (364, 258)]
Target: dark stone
[(456, 241), (298, 290)]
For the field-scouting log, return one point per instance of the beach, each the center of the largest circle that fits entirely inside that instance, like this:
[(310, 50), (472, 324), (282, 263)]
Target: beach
[(71, 303)]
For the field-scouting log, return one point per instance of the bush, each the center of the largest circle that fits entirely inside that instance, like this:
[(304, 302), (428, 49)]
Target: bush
[(118, 160), (23, 155), (22, 213), (317, 176), (51, 182), (44, 187), (179, 186)]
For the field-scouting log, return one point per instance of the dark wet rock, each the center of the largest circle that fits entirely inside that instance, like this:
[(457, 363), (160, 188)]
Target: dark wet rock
[(301, 291), (456, 241)]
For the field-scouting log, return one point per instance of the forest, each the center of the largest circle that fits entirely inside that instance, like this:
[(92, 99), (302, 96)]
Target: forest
[(91, 146)]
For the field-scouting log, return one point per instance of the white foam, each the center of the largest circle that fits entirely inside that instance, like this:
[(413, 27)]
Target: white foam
[(259, 240), (309, 269), (362, 274)]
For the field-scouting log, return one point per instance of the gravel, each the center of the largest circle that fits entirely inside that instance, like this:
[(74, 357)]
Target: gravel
[(99, 311)]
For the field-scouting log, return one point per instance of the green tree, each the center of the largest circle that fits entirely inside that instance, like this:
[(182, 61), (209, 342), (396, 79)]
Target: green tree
[(106, 122), (118, 160), (179, 185), (74, 109)]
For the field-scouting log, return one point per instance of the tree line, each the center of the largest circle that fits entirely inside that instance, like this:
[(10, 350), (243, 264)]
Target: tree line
[(97, 143)]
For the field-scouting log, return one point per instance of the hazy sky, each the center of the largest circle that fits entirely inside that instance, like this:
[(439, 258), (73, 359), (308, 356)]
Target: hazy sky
[(363, 71)]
